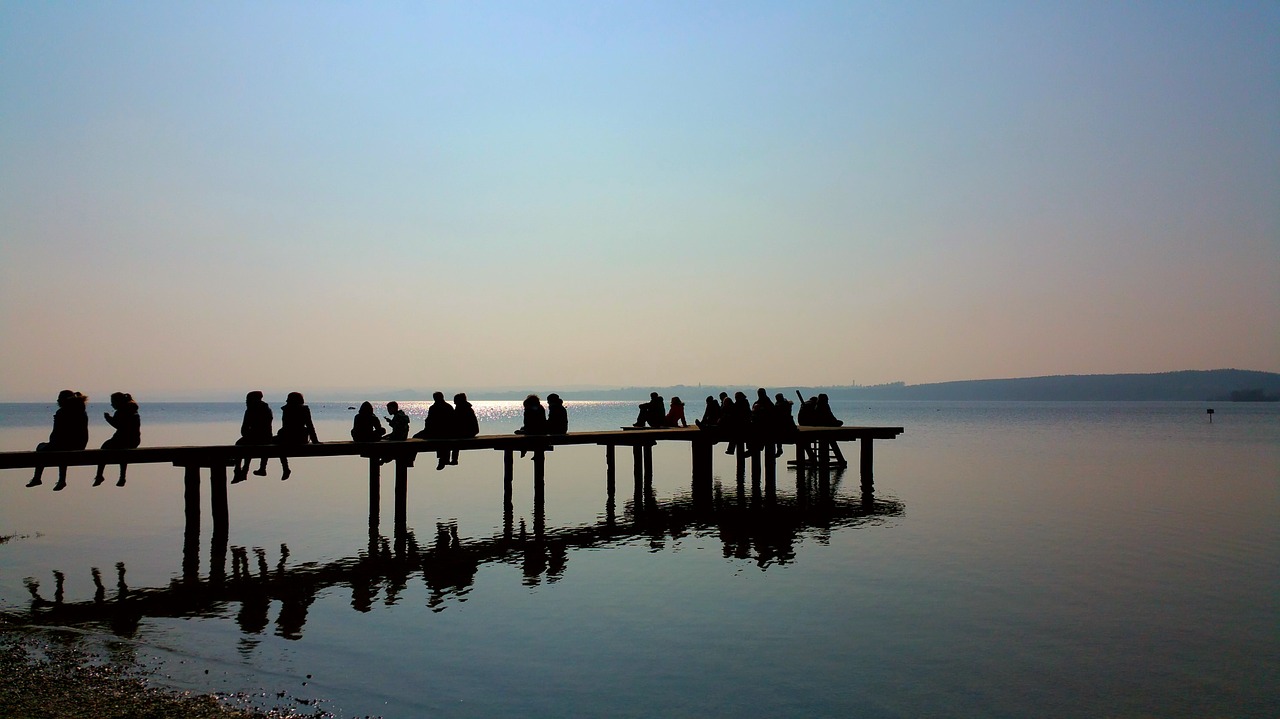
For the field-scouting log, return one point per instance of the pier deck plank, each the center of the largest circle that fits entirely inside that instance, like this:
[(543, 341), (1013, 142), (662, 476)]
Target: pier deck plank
[(223, 455)]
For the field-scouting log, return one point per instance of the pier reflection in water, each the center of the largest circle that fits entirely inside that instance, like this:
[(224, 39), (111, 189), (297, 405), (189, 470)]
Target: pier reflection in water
[(753, 520)]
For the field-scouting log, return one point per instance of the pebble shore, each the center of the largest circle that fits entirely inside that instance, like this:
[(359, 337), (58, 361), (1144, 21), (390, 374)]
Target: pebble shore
[(49, 673)]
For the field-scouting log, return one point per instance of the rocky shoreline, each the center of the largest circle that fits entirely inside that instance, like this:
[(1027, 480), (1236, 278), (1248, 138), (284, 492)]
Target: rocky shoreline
[(55, 673)]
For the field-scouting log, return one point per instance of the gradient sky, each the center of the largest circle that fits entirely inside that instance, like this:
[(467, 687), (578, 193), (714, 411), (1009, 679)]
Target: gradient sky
[(227, 196)]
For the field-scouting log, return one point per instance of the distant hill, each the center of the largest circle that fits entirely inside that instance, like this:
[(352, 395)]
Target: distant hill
[(1188, 385)]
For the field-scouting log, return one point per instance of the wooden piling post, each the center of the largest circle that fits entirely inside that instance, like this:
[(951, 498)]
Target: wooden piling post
[(770, 472), (191, 531), (865, 459), (702, 471), (402, 494), (637, 463), (608, 465), (755, 465), (648, 462), (218, 495), (191, 496), (375, 492), (539, 494), (508, 465)]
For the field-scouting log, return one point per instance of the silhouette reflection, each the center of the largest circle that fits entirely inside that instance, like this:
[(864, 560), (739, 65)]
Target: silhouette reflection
[(756, 523)]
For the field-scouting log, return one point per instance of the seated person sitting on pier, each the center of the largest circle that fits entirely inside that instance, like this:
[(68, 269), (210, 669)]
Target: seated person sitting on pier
[(557, 415), (710, 415), (652, 413), (398, 422), (675, 418), (785, 425), (366, 427), (128, 431), (465, 423), (295, 426), (535, 417), (70, 432), (816, 412), (438, 425), (254, 429)]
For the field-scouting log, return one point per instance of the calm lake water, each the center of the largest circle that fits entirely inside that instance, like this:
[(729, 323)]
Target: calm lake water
[(1012, 560)]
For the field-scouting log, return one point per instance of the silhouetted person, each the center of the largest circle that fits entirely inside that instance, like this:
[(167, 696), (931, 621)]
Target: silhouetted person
[(295, 426), (652, 413), (366, 427), (465, 424), (763, 419), (128, 431), (438, 425), (254, 429), (711, 414), (762, 411), (824, 415), (398, 422), (675, 417), (70, 432), (535, 416), (557, 415), (736, 418), (784, 425), (806, 416), (819, 414)]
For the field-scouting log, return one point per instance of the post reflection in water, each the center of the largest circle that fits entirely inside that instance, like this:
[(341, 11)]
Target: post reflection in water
[(757, 525)]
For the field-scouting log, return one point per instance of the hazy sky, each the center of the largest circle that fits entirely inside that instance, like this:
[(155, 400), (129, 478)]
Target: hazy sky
[(546, 194)]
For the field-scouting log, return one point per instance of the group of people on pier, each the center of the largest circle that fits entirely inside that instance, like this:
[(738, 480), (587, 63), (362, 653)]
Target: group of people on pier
[(443, 421), (71, 432), (738, 418)]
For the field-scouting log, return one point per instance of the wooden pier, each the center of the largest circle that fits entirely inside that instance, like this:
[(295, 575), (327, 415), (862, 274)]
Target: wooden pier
[(810, 443)]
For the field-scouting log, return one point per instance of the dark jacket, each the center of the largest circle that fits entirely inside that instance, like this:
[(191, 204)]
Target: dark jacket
[(464, 420), (295, 425), (256, 427), (70, 428), (128, 428)]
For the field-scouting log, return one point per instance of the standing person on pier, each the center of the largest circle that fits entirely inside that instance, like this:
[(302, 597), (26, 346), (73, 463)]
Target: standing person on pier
[(128, 431), (295, 426), (465, 424), (438, 425), (255, 428), (736, 417), (763, 420), (366, 427), (557, 415), (70, 432), (785, 423)]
